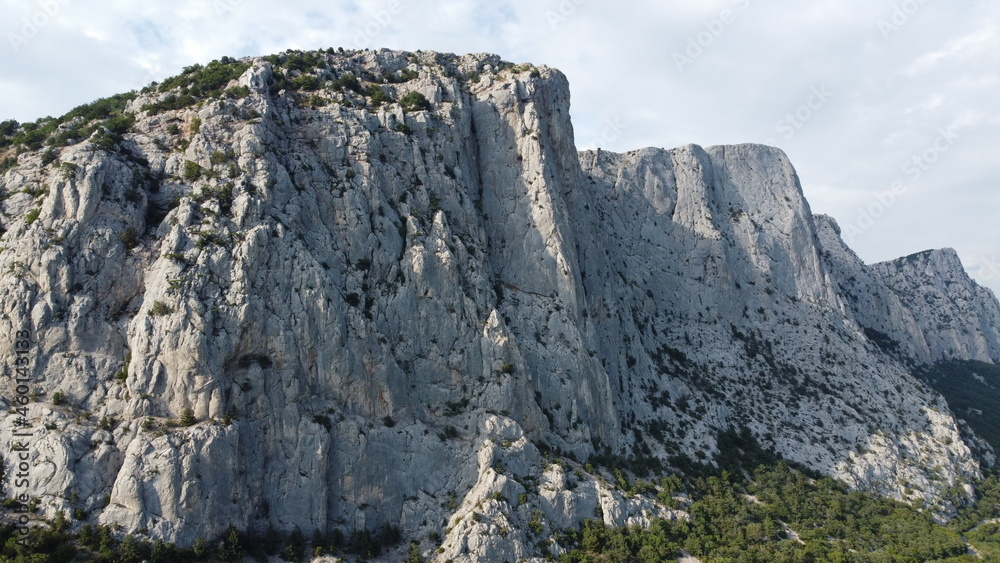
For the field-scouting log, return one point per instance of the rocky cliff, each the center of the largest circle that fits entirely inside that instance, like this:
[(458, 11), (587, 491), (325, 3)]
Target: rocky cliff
[(924, 305), (363, 289)]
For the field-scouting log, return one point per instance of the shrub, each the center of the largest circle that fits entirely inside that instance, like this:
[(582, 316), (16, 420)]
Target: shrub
[(187, 417), (306, 82), (237, 92), (206, 81), (129, 238), (159, 308), (9, 127), (192, 170), (378, 96), (219, 157), (58, 398), (415, 101), (348, 82), (32, 215), (295, 547), (8, 163), (199, 548), (48, 157)]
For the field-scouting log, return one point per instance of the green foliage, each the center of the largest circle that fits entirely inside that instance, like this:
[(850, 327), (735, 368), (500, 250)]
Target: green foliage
[(295, 546), (129, 238), (301, 61), (535, 525), (237, 92), (727, 524), (206, 81), (32, 215), (200, 548), (348, 81), (323, 421), (187, 417), (106, 115), (415, 101), (170, 102), (159, 308), (377, 96), (7, 129), (103, 108), (41, 545), (306, 82), (48, 157), (414, 554), (192, 171), (7, 163), (370, 544), (222, 194)]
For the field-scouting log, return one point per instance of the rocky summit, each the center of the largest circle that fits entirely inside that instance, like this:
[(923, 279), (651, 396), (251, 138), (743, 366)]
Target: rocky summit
[(378, 290)]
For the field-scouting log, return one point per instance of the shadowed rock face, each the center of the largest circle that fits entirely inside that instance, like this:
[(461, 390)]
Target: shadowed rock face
[(370, 312)]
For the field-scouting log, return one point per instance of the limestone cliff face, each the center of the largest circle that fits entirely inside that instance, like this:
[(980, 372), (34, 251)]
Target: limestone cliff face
[(872, 303), (377, 312), (959, 318), (926, 303)]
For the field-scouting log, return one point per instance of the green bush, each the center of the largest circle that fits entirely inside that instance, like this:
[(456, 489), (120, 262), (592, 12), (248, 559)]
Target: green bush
[(7, 163), (415, 101), (129, 238), (206, 81), (187, 417), (378, 96), (192, 170), (159, 309), (32, 215), (48, 157), (306, 82), (348, 81)]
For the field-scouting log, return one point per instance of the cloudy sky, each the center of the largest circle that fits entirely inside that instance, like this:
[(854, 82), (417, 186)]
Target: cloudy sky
[(890, 109)]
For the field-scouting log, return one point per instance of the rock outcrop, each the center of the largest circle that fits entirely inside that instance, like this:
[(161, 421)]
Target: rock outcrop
[(959, 318), (356, 290), (925, 305)]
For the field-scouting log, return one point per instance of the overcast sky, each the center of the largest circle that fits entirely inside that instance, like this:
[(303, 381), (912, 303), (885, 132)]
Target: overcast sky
[(889, 109)]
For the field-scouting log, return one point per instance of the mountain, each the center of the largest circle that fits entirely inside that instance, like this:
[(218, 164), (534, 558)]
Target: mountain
[(381, 292)]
